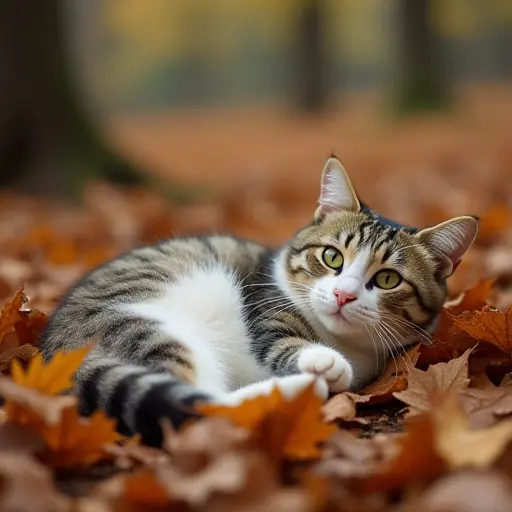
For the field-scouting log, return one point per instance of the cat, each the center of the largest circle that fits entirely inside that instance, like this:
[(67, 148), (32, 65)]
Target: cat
[(222, 319)]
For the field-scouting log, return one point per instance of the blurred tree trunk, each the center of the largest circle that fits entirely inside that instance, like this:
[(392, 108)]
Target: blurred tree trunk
[(47, 143), (422, 81), (312, 82)]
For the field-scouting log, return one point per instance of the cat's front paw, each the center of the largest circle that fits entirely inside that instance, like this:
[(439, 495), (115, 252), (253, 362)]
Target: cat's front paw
[(329, 364)]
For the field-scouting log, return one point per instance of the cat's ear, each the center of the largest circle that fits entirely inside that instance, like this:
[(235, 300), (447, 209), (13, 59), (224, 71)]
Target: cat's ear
[(336, 192), (450, 240)]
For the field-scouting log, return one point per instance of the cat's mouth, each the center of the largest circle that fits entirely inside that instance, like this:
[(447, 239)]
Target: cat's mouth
[(342, 316)]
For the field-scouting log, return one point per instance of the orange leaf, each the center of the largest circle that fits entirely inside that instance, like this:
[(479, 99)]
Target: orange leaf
[(416, 461), (50, 378), (78, 441), (489, 325), (10, 313), (283, 428), (474, 298), (493, 224)]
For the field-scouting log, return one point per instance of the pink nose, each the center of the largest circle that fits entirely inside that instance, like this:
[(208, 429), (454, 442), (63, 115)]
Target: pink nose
[(342, 297)]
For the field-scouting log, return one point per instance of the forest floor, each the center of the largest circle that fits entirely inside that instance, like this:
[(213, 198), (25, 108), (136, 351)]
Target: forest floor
[(432, 434)]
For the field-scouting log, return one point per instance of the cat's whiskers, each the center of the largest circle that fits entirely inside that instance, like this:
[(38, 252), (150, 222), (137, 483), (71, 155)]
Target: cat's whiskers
[(374, 347), (403, 352), (409, 326), (383, 338)]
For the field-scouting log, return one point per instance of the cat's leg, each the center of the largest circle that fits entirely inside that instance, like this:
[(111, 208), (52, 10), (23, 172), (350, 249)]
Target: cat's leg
[(290, 386), (290, 355)]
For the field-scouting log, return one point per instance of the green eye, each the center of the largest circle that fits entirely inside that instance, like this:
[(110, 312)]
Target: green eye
[(387, 279), (333, 258)]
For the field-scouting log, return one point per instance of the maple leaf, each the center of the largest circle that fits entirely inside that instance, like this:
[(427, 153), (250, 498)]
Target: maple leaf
[(490, 325), (459, 445), (439, 377), (289, 428), (50, 378), (394, 378), (31, 408), (77, 441)]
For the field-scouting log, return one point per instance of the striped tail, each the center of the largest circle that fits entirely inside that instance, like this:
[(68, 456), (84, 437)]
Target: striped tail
[(137, 397)]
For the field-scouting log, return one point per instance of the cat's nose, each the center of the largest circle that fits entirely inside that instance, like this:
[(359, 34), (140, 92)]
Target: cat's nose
[(343, 296)]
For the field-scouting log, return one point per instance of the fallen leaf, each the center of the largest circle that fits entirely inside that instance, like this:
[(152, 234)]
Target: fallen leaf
[(469, 491), (28, 486), (394, 378), (290, 429), (339, 408), (493, 223), (459, 445), (416, 461), (485, 407), (492, 326), (23, 353), (475, 298), (53, 377), (439, 377), (77, 441), (31, 408)]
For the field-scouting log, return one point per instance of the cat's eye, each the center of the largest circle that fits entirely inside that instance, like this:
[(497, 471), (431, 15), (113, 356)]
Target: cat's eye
[(387, 279), (333, 258)]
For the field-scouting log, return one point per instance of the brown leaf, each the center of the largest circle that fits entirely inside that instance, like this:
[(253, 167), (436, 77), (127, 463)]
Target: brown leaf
[(28, 486), (469, 491), (485, 407), (19, 328), (394, 378), (492, 326), (339, 407), (459, 445), (439, 377), (22, 353)]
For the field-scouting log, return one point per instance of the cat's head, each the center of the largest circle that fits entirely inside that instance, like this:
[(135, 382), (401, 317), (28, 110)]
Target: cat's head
[(354, 271)]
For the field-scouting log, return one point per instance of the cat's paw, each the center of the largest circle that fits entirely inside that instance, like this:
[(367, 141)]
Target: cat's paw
[(327, 363), (292, 385)]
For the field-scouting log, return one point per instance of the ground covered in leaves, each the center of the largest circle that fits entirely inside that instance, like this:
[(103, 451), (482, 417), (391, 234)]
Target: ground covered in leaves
[(433, 434)]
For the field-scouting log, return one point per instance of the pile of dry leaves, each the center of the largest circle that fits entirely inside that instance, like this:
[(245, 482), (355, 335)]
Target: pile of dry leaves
[(432, 434)]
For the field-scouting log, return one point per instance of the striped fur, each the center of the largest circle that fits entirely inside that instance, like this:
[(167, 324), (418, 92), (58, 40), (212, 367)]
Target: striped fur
[(221, 319)]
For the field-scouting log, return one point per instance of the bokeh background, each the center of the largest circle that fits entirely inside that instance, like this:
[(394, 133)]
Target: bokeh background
[(126, 121)]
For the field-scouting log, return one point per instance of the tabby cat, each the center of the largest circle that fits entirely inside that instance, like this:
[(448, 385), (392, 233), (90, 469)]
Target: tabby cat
[(222, 319)]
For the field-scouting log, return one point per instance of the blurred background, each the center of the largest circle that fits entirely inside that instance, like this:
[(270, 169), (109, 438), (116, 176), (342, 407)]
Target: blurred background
[(126, 121)]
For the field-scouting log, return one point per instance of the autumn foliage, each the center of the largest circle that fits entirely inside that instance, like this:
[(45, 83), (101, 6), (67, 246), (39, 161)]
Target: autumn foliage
[(432, 434)]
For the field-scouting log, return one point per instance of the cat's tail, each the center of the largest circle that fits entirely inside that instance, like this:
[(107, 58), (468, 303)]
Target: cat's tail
[(137, 397)]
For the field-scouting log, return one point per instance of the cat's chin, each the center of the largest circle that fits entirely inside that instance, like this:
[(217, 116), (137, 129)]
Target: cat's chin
[(337, 323)]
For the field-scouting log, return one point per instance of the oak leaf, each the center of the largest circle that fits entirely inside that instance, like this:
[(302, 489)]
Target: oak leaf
[(439, 377), (490, 325), (459, 445), (290, 429)]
